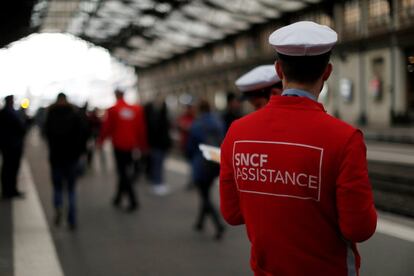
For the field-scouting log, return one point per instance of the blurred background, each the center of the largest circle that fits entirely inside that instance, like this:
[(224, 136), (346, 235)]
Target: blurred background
[(181, 51), (198, 47)]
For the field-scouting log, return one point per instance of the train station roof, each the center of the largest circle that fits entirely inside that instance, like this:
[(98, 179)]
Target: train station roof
[(146, 32)]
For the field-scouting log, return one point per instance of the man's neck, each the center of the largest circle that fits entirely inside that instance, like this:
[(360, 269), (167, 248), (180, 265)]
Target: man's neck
[(314, 89)]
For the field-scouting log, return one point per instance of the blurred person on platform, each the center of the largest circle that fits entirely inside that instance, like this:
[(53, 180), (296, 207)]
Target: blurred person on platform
[(39, 120), (184, 122), (206, 129), (27, 120), (159, 141), (65, 129), (12, 132), (233, 110), (125, 125), (296, 176), (83, 161), (95, 124), (259, 84)]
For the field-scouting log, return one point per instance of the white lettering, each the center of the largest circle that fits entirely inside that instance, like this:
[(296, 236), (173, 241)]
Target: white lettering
[(298, 179), (270, 174), (238, 173), (244, 159), (237, 157), (263, 175), (279, 177), (290, 177), (263, 159), (250, 168), (252, 176), (247, 159), (313, 180), (252, 157), (244, 173)]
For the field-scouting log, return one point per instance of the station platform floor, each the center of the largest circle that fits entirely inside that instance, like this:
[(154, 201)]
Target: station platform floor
[(395, 134), (158, 239)]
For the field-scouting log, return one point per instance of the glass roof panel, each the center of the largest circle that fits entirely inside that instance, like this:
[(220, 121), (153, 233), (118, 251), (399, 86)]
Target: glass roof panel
[(284, 5), (157, 29), (215, 17)]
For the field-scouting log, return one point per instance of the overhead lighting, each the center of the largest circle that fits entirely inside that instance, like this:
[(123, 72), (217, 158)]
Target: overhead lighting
[(146, 21), (141, 59), (216, 17), (121, 53), (88, 6), (38, 10), (163, 8), (137, 42), (25, 103), (196, 28), (313, 1), (143, 4), (285, 5), (153, 53), (183, 39)]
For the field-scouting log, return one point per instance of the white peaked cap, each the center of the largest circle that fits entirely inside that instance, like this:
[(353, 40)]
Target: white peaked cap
[(303, 38), (260, 77)]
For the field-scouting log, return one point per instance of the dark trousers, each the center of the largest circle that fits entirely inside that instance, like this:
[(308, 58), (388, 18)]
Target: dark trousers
[(206, 206), (157, 166), (64, 177), (125, 170), (9, 170)]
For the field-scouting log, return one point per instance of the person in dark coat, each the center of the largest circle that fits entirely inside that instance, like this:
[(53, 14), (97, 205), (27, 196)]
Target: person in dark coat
[(233, 110), (206, 129), (12, 131), (65, 131), (159, 140)]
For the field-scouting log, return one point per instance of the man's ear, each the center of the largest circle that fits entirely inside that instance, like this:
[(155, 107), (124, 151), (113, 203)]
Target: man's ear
[(279, 70), (328, 71)]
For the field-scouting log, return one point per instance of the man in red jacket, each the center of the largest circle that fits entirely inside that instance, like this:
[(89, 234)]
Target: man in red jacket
[(125, 124), (294, 175)]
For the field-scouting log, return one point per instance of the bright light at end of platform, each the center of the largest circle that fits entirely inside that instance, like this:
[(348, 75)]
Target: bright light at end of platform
[(25, 103)]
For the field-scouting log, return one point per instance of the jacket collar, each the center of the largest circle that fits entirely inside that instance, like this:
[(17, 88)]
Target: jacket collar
[(295, 103), (121, 102), (299, 93)]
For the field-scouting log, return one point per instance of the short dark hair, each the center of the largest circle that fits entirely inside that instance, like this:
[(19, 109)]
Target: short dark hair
[(204, 106), (61, 95), (230, 97), (119, 93), (260, 93), (304, 69), (9, 98)]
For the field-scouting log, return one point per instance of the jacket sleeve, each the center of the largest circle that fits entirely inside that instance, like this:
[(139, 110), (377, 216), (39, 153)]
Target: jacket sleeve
[(107, 126), (229, 195), (355, 204), (142, 131), (46, 128)]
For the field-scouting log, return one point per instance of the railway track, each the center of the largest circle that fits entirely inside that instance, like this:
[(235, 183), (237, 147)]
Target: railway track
[(393, 186)]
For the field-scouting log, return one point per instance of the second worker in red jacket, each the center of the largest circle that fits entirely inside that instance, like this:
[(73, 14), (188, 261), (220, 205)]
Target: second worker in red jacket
[(125, 124), (294, 175)]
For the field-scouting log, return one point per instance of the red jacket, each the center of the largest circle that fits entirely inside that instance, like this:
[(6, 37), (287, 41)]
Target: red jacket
[(298, 179), (125, 124)]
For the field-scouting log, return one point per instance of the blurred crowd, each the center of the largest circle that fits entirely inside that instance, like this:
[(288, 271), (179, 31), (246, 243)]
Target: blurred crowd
[(141, 138)]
